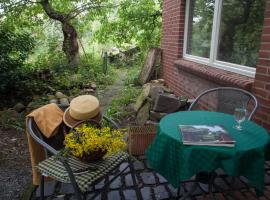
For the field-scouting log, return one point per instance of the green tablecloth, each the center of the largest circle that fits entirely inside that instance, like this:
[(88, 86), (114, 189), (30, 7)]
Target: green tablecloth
[(177, 162)]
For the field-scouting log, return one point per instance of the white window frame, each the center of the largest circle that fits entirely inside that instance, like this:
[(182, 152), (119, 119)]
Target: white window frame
[(212, 60)]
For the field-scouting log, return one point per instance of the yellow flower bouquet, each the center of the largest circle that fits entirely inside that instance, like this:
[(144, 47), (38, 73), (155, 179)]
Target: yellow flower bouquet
[(91, 143)]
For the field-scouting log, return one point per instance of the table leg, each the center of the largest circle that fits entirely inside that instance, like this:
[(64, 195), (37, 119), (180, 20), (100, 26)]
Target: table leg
[(189, 193)]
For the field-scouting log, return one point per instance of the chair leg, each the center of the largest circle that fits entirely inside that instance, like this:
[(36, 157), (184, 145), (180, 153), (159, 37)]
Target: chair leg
[(41, 188), (76, 190), (133, 176)]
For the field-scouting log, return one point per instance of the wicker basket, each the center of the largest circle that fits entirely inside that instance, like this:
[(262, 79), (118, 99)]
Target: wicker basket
[(139, 138)]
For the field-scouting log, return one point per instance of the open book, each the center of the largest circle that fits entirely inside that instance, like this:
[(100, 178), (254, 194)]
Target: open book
[(205, 135)]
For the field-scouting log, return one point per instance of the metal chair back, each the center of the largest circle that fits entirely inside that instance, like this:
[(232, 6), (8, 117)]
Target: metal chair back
[(226, 99)]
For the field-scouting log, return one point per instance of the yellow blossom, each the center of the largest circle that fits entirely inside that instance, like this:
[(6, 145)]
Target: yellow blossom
[(87, 139)]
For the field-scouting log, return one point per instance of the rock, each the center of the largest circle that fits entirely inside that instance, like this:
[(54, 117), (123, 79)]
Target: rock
[(131, 107), (51, 89), (149, 122), (19, 107), (60, 95), (53, 101), (94, 86), (155, 91), (70, 98), (154, 81), (64, 101), (32, 106), (143, 114), (166, 103), (156, 116), (161, 81), (51, 96), (142, 97), (87, 91)]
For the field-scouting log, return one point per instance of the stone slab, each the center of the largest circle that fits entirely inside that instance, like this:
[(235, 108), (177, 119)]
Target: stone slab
[(142, 97), (143, 114), (130, 194), (149, 65), (166, 103)]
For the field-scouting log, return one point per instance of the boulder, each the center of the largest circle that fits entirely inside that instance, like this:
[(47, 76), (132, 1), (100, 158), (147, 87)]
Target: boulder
[(149, 122), (143, 114), (64, 101), (87, 91), (53, 101), (51, 89), (32, 106), (60, 95), (51, 96), (19, 107), (93, 86), (155, 91), (156, 116), (166, 103)]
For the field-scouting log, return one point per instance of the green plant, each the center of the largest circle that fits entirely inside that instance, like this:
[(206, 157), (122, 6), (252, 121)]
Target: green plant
[(11, 119), (14, 50)]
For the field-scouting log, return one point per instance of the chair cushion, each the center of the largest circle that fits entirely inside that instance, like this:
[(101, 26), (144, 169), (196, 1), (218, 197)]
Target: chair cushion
[(52, 167)]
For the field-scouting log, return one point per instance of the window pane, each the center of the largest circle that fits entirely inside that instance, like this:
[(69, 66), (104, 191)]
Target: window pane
[(201, 14), (240, 31)]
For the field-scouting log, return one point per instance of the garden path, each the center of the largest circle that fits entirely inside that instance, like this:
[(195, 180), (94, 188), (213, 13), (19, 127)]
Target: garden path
[(113, 90)]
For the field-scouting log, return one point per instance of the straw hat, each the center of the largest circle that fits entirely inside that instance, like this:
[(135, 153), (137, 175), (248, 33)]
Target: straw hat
[(82, 108)]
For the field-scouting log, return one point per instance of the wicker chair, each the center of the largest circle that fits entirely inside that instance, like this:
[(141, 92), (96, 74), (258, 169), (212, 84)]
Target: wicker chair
[(221, 99), (80, 174)]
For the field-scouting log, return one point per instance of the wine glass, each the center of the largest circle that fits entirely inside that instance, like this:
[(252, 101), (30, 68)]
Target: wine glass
[(240, 116)]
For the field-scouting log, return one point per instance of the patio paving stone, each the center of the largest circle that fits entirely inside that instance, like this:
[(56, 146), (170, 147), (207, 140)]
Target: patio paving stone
[(138, 165), (100, 185), (66, 188), (148, 178), (161, 192), (146, 193), (117, 183), (128, 180), (49, 188), (130, 195), (161, 178), (115, 195), (152, 186)]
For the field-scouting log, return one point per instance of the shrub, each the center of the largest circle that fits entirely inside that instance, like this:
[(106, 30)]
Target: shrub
[(14, 50)]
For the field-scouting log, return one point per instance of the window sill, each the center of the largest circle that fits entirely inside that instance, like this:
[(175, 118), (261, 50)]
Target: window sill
[(219, 76)]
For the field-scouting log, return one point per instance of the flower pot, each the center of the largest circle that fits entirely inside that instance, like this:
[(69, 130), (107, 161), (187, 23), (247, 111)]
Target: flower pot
[(94, 156)]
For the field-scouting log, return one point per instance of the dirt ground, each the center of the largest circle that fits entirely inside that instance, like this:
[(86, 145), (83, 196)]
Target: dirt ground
[(15, 167)]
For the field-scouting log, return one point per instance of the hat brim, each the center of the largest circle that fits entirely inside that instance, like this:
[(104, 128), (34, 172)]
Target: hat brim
[(70, 122)]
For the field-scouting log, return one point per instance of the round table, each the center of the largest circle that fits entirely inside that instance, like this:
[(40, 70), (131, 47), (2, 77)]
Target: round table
[(177, 162)]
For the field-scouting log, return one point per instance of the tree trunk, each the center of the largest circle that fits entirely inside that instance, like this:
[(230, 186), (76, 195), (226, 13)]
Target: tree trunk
[(70, 43)]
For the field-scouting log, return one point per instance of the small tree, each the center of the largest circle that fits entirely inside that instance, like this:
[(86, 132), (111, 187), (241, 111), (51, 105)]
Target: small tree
[(64, 12)]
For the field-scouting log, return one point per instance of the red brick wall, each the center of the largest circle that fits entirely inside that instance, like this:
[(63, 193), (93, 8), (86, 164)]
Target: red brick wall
[(172, 38), (185, 83), (261, 86)]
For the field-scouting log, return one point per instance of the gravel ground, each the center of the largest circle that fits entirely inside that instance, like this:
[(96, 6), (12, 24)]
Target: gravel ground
[(15, 167)]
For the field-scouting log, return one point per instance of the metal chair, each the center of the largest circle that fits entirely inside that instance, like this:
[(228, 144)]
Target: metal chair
[(71, 170), (226, 99), (221, 99)]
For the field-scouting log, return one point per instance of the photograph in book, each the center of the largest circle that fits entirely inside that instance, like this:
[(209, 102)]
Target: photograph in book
[(205, 135)]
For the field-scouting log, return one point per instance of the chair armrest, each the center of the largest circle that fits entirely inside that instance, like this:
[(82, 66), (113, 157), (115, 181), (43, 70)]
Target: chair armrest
[(30, 123)]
